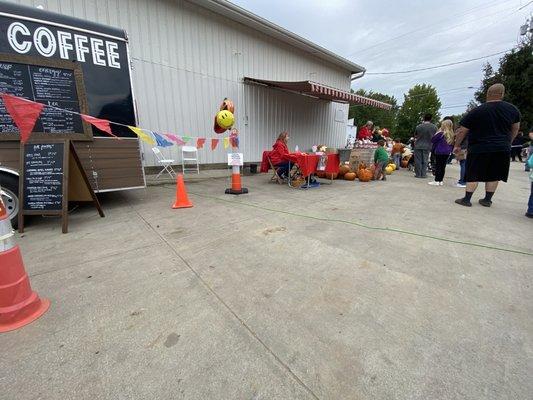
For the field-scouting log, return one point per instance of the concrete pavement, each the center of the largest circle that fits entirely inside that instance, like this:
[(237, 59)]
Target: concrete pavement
[(281, 294)]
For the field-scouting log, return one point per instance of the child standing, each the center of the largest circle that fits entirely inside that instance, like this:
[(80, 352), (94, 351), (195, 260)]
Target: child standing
[(396, 152), (381, 158)]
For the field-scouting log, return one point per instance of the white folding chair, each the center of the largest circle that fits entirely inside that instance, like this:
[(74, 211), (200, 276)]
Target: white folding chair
[(188, 154), (166, 163)]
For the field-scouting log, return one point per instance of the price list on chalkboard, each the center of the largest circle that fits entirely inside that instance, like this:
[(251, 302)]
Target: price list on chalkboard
[(55, 87), (43, 177)]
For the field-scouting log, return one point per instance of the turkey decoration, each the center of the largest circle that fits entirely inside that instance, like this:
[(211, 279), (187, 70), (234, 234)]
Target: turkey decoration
[(224, 119)]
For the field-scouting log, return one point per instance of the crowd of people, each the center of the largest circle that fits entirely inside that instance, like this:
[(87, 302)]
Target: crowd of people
[(485, 141)]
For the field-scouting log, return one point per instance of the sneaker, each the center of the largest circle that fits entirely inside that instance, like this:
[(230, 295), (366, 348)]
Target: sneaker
[(463, 202), (529, 215), (435, 183), (460, 185), (485, 203)]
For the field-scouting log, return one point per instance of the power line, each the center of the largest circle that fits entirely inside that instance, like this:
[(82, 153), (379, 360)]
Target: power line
[(376, 55), (454, 106), (437, 66), (521, 8), (429, 26)]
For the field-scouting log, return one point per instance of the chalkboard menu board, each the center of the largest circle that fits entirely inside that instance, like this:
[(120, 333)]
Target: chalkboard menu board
[(52, 83), (43, 176)]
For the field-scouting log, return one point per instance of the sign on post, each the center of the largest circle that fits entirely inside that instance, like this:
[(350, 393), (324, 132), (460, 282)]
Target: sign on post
[(235, 159)]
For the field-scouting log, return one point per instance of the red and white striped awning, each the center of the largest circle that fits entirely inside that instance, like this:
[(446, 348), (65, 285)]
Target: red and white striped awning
[(322, 92)]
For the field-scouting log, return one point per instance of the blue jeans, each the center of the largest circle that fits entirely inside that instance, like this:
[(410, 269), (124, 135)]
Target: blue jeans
[(462, 165), (421, 162), (283, 169), (530, 202), (397, 157)]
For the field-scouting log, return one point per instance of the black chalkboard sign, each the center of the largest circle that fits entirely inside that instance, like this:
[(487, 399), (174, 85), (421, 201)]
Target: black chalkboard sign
[(43, 176), (45, 185), (51, 82)]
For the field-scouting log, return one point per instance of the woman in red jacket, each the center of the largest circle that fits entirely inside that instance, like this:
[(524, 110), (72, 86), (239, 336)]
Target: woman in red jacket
[(279, 156)]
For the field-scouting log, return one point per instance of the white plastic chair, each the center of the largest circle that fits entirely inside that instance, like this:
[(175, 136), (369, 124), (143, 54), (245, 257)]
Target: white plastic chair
[(166, 163), (189, 153)]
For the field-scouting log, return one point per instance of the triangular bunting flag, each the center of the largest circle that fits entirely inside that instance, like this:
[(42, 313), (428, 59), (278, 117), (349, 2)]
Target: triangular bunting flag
[(174, 138), (234, 141), (214, 144), (24, 114), (186, 138), (200, 143), (102, 124), (226, 142), (143, 136), (160, 140)]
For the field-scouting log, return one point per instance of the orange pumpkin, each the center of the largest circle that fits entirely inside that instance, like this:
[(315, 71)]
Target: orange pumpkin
[(350, 176), (404, 163), (365, 175), (343, 169), (321, 174), (331, 175), (362, 165)]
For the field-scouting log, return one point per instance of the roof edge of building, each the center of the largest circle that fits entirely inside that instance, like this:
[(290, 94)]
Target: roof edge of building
[(252, 20)]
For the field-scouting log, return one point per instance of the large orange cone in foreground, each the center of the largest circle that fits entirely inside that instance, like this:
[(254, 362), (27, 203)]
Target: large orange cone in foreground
[(19, 305), (182, 200)]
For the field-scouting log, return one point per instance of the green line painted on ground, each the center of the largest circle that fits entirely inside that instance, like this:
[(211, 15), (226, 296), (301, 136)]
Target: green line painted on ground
[(365, 226)]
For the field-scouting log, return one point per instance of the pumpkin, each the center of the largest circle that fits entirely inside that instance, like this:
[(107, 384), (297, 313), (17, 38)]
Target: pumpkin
[(321, 174), (405, 163), (362, 165), (389, 169), (331, 175), (350, 176), (343, 169), (393, 166), (372, 170), (365, 175)]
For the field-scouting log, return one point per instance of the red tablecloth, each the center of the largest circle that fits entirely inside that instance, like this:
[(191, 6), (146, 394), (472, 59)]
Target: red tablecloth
[(309, 162)]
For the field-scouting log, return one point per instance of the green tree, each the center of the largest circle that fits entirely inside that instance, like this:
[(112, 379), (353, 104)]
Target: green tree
[(381, 118), (420, 99), (515, 71)]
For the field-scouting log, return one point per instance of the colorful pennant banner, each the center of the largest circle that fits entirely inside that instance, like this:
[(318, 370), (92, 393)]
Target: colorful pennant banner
[(25, 113)]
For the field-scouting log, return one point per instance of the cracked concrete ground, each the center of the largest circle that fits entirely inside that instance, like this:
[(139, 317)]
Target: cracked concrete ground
[(281, 294)]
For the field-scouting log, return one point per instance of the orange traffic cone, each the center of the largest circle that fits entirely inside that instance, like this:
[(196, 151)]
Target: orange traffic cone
[(182, 200), (236, 186), (19, 305)]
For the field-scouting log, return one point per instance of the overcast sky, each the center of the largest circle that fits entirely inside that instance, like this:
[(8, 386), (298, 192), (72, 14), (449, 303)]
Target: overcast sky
[(445, 31)]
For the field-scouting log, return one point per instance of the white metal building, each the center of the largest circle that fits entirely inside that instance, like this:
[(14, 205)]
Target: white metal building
[(188, 55)]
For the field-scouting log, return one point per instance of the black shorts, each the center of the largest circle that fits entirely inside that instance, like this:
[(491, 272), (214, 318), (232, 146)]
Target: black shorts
[(487, 167)]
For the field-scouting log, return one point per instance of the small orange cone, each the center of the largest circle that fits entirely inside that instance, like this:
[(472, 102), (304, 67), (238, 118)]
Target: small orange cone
[(19, 305), (182, 200)]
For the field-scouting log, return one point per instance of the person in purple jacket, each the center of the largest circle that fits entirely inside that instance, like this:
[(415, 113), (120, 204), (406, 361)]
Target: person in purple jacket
[(442, 146)]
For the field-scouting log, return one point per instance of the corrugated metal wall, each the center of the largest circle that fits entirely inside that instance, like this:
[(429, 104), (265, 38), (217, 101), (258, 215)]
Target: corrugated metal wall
[(187, 59)]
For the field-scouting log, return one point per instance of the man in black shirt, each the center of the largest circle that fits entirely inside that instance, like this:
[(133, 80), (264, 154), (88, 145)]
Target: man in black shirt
[(491, 128)]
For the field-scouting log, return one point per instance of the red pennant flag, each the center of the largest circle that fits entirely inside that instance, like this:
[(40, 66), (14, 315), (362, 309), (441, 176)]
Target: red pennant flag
[(23, 112), (200, 143), (214, 144), (102, 124)]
